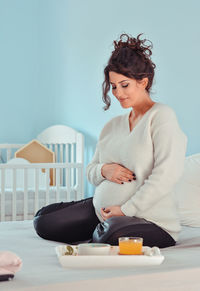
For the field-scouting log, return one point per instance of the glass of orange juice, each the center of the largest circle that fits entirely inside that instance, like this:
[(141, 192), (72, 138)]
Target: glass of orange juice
[(130, 245)]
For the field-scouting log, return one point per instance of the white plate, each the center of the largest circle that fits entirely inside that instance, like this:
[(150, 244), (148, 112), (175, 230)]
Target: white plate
[(111, 260)]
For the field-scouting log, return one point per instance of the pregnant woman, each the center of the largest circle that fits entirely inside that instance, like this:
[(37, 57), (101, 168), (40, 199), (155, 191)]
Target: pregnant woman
[(138, 159)]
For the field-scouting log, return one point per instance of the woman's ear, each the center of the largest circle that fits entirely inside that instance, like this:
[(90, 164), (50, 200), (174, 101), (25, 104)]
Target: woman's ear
[(144, 82)]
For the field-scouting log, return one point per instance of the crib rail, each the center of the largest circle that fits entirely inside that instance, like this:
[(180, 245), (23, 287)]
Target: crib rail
[(73, 187), (64, 153), (7, 150)]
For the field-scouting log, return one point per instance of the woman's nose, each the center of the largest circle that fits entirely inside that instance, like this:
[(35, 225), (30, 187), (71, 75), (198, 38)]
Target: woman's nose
[(118, 93)]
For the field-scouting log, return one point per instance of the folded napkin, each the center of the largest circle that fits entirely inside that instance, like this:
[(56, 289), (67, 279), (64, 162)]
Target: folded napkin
[(154, 251), (10, 263)]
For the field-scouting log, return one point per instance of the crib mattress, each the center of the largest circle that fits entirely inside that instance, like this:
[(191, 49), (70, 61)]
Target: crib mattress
[(41, 270), (52, 198)]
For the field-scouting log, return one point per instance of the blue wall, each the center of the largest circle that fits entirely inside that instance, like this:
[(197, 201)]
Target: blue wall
[(52, 55)]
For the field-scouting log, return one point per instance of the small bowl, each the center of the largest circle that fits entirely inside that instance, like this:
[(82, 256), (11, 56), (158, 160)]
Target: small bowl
[(93, 249)]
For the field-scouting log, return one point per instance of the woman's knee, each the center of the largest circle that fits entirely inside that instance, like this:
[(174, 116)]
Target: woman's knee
[(67, 224), (45, 220), (41, 226), (48, 226)]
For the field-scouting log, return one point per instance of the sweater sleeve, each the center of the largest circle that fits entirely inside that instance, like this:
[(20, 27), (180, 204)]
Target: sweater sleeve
[(169, 144), (93, 170)]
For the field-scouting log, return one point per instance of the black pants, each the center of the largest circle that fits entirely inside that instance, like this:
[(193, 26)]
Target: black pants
[(76, 221)]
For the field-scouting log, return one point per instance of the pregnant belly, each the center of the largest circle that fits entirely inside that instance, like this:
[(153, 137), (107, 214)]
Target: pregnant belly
[(109, 193)]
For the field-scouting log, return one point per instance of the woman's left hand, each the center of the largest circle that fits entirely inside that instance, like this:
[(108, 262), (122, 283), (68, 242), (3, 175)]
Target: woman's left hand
[(111, 211)]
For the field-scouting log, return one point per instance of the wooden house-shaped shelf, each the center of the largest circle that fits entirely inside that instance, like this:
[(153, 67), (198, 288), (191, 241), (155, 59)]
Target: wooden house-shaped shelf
[(35, 152)]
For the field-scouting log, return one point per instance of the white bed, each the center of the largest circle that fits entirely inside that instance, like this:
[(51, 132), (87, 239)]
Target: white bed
[(180, 270), (42, 271)]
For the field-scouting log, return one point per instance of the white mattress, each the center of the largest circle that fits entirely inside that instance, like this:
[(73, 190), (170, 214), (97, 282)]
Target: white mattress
[(41, 270)]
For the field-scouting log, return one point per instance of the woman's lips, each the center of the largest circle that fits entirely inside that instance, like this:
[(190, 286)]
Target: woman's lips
[(124, 99)]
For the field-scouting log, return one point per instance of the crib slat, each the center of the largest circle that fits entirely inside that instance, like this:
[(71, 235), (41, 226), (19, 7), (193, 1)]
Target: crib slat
[(25, 194), (80, 192), (61, 161), (66, 160), (47, 186), (2, 194), (68, 179), (57, 158), (72, 153), (57, 184), (61, 153), (14, 195), (82, 183), (79, 148), (72, 161), (51, 147), (56, 152), (9, 154), (36, 189), (67, 153)]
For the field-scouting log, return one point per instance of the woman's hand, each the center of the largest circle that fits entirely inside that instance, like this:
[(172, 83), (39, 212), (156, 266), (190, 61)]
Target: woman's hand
[(117, 173), (111, 211)]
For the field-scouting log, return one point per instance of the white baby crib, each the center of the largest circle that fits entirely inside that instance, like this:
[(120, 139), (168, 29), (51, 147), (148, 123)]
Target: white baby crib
[(25, 188)]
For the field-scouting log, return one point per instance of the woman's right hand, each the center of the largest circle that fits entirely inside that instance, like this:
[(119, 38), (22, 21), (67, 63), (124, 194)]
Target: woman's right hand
[(117, 173)]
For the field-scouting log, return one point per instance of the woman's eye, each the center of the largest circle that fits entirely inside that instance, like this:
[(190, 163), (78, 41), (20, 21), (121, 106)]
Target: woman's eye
[(123, 86)]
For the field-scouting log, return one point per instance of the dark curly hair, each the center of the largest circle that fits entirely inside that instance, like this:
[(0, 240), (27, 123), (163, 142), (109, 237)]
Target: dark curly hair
[(131, 58)]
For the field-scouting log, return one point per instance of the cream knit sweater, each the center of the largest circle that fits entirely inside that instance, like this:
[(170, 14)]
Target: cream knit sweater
[(155, 151)]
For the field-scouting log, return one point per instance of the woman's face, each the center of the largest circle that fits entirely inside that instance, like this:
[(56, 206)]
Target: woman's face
[(129, 92)]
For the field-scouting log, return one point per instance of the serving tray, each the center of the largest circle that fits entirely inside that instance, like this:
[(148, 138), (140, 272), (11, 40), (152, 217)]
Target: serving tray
[(69, 258)]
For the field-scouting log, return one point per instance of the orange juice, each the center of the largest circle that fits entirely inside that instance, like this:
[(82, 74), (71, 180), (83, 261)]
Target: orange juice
[(130, 246)]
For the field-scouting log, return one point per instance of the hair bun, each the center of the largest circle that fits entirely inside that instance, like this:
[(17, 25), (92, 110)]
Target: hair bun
[(136, 44)]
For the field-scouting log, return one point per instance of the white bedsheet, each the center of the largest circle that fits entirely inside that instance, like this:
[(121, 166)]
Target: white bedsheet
[(41, 270)]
